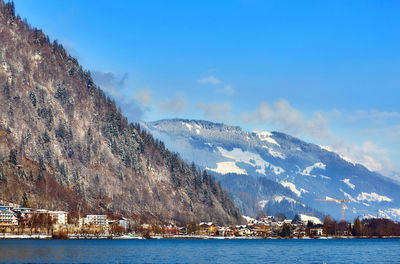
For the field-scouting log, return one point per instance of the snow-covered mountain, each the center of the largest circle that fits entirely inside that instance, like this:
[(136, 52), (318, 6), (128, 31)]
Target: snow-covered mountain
[(278, 173)]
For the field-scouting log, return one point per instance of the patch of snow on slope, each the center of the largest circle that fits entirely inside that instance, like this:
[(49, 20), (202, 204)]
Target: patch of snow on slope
[(279, 198), (307, 171), (348, 196), (395, 212), (250, 158), (347, 159), (347, 181), (249, 219), (262, 203), (303, 190), (383, 214), (327, 148), (291, 186), (266, 136), (325, 177), (228, 167), (305, 218), (373, 197), (330, 198), (275, 153), (188, 126)]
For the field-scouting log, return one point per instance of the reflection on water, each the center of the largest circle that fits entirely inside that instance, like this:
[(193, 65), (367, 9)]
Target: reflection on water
[(201, 251)]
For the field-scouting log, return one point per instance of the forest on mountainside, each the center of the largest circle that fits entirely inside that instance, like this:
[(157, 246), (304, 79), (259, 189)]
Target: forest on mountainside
[(66, 144)]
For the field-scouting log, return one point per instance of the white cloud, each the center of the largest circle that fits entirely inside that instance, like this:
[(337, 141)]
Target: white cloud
[(373, 115), (220, 112), (110, 82), (372, 156), (282, 115), (144, 96), (176, 105), (227, 90), (209, 80)]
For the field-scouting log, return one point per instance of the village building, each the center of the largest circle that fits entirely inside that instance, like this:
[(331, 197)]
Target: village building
[(318, 231), (59, 217), (97, 220), (8, 218), (207, 228), (23, 214), (123, 222)]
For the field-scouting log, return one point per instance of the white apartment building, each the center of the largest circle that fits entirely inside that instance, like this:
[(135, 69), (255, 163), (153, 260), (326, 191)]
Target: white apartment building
[(98, 220), (59, 217), (8, 218)]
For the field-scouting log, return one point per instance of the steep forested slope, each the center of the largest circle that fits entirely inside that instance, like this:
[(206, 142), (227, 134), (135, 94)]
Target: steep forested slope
[(77, 151)]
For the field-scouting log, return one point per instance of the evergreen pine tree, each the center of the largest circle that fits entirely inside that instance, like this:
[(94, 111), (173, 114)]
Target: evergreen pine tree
[(13, 156)]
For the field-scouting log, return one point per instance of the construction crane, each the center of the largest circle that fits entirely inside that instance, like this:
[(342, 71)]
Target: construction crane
[(337, 201)]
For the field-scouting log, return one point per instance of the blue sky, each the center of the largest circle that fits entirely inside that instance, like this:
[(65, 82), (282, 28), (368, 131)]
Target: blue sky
[(325, 71)]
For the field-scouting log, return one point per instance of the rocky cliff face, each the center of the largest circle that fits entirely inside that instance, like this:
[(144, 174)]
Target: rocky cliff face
[(77, 151)]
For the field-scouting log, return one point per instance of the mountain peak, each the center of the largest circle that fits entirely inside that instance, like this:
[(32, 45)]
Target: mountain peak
[(279, 165)]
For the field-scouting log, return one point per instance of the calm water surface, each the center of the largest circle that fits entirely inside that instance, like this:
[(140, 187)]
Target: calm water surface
[(201, 251)]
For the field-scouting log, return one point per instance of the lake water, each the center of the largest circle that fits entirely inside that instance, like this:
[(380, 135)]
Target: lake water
[(201, 251)]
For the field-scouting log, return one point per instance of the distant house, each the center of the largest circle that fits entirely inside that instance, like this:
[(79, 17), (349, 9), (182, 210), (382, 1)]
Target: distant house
[(41, 211), (123, 222), (171, 229), (97, 220), (6, 207), (59, 217), (23, 213), (8, 218), (319, 231), (262, 230), (287, 221), (225, 231), (207, 228)]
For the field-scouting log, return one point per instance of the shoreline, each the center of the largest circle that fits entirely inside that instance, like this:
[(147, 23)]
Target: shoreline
[(41, 236)]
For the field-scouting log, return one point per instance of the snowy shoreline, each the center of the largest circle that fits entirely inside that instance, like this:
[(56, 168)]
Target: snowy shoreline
[(83, 237)]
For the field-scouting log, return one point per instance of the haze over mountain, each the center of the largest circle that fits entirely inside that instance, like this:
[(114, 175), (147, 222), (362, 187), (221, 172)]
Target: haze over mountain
[(76, 149), (278, 173)]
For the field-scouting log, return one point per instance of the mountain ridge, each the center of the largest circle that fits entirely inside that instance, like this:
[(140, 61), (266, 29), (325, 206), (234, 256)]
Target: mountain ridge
[(307, 170)]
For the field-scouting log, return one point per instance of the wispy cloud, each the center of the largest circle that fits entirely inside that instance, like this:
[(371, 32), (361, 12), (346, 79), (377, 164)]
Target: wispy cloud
[(209, 80), (369, 154), (373, 116), (286, 118), (220, 112), (69, 46), (223, 88), (176, 105), (113, 84), (227, 90), (110, 82), (144, 96)]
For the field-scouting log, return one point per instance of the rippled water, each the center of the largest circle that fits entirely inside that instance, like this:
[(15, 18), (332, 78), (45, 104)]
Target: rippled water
[(201, 251)]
